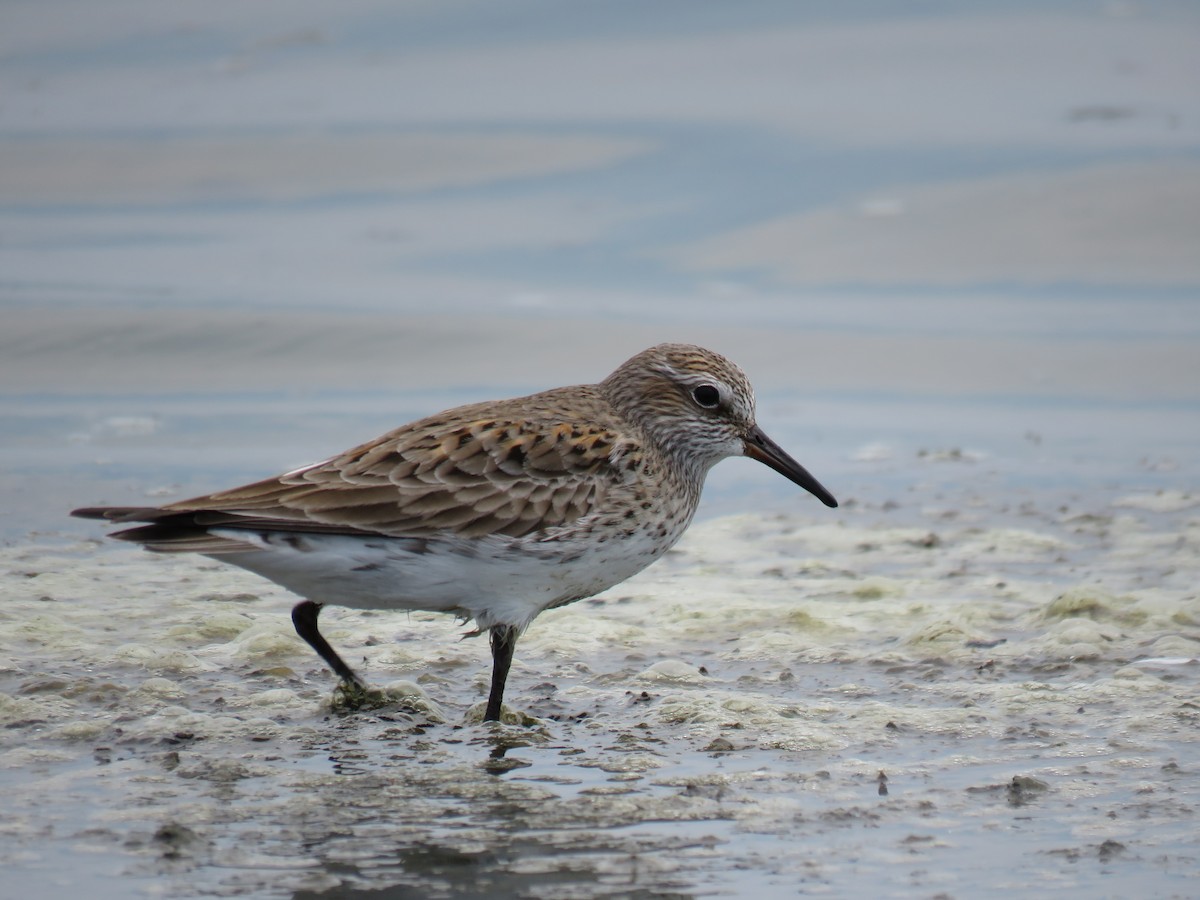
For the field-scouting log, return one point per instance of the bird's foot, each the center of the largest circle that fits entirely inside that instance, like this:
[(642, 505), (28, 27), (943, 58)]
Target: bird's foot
[(404, 696), (354, 696), (508, 716)]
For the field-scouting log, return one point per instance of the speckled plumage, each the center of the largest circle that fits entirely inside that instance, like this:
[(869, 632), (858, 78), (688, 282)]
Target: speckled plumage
[(494, 511)]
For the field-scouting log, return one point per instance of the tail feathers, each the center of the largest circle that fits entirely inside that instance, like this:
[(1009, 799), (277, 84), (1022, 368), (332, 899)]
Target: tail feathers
[(188, 531), (172, 537), (168, 531), (119, 513)]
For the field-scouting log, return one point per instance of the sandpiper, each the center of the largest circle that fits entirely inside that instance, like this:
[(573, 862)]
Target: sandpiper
[(493, 511)]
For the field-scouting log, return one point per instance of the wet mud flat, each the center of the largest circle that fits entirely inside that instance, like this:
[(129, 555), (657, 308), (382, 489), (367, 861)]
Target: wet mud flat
[(926, 704)]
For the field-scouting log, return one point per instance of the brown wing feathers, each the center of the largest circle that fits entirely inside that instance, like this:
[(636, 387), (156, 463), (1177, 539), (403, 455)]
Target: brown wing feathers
[(471, 478)]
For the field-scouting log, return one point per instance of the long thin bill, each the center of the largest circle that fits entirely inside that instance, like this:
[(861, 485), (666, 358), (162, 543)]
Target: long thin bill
[(759, 446)]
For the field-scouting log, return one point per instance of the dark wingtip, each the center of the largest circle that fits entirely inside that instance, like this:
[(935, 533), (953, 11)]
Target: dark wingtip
[(118, 513)]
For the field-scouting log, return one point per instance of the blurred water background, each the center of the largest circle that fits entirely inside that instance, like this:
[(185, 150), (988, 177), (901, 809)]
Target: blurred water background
[(955, 245)]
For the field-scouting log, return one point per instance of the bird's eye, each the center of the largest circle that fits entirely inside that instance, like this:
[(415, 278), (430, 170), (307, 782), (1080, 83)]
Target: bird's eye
[(707, 396)]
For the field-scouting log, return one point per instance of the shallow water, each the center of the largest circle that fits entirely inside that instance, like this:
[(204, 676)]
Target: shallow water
[(788, 704)]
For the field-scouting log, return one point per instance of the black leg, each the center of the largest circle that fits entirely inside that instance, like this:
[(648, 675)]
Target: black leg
[(504, 641), (304, 617)]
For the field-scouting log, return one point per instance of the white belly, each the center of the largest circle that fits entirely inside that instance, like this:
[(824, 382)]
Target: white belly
[(494, 580)]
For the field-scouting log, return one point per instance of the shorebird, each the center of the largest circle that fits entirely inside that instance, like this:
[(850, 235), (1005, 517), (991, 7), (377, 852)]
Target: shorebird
[(493, 511)]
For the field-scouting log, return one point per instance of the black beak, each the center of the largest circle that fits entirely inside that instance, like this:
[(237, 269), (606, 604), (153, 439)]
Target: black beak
[(760, 447)]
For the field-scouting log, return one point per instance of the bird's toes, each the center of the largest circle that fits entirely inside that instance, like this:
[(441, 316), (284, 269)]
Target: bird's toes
[(508, 716), (399, 697), (353, 696)]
